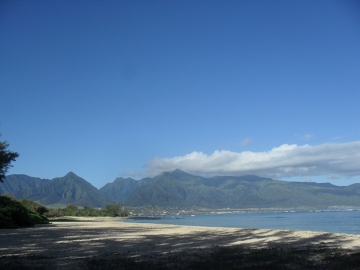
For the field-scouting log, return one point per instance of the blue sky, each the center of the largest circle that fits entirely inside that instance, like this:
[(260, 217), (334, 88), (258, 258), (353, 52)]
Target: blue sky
[(132, 88)]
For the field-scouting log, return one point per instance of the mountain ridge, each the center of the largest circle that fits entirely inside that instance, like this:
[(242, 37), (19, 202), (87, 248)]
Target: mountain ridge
[(15, 182), (69, 189), (180, 189)]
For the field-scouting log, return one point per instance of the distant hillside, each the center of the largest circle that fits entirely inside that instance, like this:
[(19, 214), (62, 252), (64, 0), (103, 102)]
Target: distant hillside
[(70, 189), (16, 182), (180, 189), (120, 189)]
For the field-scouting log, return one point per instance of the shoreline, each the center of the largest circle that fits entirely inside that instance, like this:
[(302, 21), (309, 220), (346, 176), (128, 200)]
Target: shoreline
[(64, 244)]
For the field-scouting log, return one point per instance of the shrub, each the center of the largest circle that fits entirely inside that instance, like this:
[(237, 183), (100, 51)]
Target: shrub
[(38, 219), (70, 210), (89, 212), (114, 210), (13, 214), (54, 213), (34, 207)]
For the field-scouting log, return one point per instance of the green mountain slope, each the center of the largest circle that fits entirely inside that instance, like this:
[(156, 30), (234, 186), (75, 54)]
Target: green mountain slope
[(181, 189), (121, 188), (176, 189), (70, 189), (16, 182)]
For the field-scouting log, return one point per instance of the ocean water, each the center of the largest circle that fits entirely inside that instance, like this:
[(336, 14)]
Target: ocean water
[(319, 221)]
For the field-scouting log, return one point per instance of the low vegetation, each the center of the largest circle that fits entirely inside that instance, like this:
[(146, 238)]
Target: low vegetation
[(110, 210), (23, 213), (14, 214)]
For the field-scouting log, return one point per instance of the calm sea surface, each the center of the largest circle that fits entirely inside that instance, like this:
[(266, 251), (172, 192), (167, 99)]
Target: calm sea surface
[(321, 221)]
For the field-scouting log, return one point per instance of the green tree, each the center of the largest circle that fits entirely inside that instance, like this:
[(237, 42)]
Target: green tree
[(113, 209), (14, 213), (6, 157), (71, 210), (34, 207)]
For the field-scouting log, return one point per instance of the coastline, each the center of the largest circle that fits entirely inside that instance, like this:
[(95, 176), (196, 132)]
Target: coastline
[(66, 244), (344, 222)]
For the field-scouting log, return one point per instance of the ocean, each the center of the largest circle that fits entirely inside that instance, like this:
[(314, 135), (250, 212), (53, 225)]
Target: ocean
[(346, 221)]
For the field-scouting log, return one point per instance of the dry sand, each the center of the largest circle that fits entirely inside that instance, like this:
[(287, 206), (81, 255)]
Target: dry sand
[(67, 243)]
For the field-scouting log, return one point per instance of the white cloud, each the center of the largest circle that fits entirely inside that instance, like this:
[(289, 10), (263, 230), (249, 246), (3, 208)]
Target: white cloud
[(330, 159)]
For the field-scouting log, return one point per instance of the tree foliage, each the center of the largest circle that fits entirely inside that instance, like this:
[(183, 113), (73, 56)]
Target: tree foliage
[(21, 213), (14, 214), (110, 210), (115, 210), (34, 207), (6, 157), (70, 210)]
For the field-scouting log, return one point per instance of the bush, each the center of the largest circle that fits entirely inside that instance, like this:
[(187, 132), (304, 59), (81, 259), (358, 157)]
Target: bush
[(54, 213), (114, 210), (70, 210), (89, 212), (6, 221), (38, 219), (14, 214), (34, 207)]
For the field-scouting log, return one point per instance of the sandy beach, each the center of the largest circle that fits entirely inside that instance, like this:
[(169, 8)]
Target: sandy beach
[(75, 244)]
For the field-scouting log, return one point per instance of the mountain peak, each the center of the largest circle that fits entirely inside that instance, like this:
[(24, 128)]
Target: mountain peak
[(70, 174), (178, 172)]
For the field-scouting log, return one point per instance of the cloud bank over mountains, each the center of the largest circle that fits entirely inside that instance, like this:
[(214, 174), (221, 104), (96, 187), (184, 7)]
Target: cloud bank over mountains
[(329, 159)]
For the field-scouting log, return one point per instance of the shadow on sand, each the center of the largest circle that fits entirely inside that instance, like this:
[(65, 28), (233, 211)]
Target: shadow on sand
[(59, 246)]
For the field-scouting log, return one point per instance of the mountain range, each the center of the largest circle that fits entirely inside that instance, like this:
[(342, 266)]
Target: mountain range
[(70, 189), (180, 189)]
